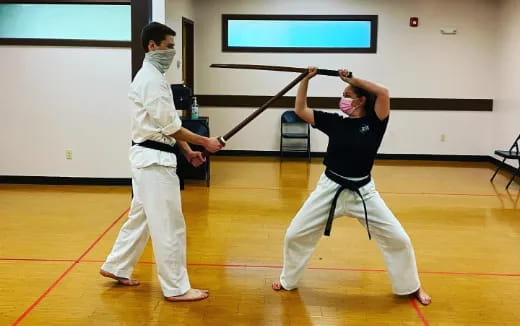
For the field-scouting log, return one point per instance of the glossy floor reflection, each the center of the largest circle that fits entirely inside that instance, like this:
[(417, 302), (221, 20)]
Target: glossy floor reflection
[(465, 230)]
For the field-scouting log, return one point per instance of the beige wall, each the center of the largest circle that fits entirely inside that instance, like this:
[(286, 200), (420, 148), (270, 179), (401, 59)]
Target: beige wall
[(507, 85), (58, 98), (411, 62)]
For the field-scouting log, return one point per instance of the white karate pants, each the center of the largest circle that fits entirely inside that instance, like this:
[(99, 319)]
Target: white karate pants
[(308, 226), (156, 212)]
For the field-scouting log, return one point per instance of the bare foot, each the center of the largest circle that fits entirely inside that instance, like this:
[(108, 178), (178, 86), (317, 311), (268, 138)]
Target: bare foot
[(277, 286), (120, 280), (191, 295), (422, 297)]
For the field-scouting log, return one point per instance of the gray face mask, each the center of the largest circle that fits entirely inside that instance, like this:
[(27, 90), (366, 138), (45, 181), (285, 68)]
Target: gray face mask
[(160, 59)]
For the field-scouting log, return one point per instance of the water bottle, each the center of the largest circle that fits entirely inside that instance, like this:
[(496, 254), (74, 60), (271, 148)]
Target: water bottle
[(194, 109)]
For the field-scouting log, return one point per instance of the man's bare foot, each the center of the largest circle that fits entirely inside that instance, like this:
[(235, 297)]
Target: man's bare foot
[(422, 297), (277, 286), (191, 295), (120, 280)]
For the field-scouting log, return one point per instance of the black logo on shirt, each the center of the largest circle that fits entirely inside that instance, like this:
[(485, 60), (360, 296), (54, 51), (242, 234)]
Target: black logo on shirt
[(364, 128)]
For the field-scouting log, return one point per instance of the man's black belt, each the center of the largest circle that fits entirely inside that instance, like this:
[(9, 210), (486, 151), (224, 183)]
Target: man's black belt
[(350, 185), (156, 145)]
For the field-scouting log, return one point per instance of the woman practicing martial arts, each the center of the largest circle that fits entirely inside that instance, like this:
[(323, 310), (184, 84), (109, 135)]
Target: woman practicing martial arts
[(346, 187)]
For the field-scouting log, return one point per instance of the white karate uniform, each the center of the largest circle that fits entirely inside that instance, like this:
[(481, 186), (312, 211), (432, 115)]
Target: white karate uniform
[(156, 205), (308, 226)]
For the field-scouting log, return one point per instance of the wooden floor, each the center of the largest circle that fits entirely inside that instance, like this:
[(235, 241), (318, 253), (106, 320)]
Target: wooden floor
[(465, 230)]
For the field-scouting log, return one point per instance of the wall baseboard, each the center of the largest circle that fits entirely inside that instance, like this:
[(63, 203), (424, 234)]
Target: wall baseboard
[(21, 179), (421, 157), (434, 157)]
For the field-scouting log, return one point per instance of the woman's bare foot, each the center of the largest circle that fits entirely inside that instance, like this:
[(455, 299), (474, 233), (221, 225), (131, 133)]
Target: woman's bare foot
[(277, 286), (191, 295), (422, 297), (120, 280)]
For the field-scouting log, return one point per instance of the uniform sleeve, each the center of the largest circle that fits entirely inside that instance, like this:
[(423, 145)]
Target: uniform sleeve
[(378, 122), (373, 115), (325, 121), (159, 105)]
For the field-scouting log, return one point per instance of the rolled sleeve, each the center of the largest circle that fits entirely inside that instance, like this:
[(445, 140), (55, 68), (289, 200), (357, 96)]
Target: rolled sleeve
[(163, 113)]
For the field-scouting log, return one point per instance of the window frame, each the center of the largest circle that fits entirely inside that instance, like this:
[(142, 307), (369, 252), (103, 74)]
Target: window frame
[(67, 42), (373, 33)]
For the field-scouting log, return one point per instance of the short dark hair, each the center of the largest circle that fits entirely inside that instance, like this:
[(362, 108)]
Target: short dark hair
[(155, 32)]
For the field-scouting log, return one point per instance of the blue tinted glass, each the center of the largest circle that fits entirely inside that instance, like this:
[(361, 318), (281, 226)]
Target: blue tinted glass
[(294, 33), (59, 21)]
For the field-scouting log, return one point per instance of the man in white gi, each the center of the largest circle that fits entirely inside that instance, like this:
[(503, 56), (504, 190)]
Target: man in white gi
[(156, 205)]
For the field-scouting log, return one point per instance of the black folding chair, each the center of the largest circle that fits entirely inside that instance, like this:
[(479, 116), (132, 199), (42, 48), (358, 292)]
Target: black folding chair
[(295, 135), (512, 154)]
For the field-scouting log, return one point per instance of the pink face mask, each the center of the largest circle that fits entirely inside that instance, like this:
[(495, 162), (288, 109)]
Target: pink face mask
[(345, 105)]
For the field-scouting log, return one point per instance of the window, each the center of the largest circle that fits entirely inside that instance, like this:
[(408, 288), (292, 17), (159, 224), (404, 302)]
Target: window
[(66, 24), (307, 33)]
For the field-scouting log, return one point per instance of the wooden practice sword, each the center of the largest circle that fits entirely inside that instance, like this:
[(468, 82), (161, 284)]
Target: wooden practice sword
[(325, 72), (237, 128), (303, 72)]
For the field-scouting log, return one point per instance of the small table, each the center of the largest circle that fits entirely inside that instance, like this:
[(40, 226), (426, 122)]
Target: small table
[(185, 170)]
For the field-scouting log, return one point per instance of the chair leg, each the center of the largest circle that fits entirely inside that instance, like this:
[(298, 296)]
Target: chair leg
[(515, 174), (206, 171), (496, 171), (281, 150), (309, 149), (181, 182)]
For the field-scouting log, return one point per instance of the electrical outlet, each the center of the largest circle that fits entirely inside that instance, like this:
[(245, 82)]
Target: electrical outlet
[(68, 154), (443, 137), (448, 31)]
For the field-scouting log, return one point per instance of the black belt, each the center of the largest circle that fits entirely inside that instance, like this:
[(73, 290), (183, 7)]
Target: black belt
[(156, 145), (345, 184)]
